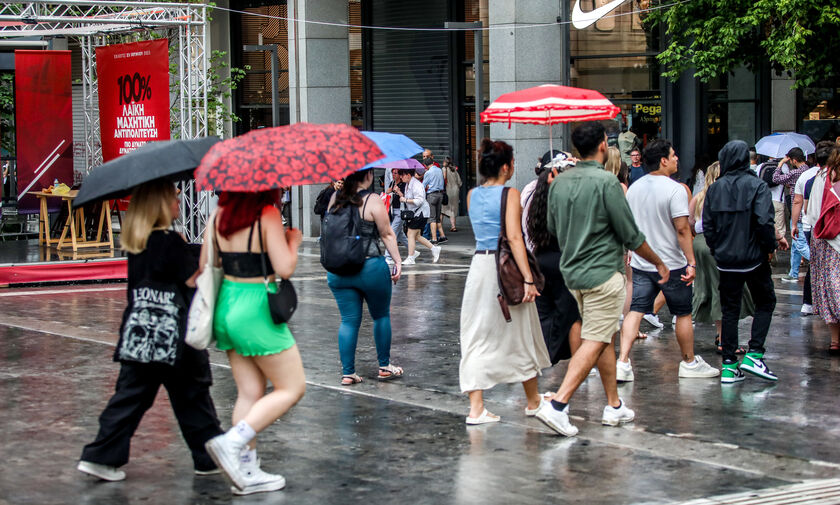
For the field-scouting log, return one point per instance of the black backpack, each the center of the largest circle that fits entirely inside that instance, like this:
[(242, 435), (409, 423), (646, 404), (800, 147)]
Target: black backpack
[(343, 249), (766, 171)]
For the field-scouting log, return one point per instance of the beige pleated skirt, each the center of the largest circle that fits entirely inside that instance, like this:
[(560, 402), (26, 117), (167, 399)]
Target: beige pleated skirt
[(494, 351)]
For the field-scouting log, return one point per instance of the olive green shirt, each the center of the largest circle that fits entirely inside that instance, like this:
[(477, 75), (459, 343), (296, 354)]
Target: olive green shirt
[(590, 217)]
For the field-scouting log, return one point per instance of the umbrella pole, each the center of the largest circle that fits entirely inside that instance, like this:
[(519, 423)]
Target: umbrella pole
[(551, 140)]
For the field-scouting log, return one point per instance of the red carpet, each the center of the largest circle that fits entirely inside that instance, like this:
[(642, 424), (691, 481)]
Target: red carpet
[(64, 271)]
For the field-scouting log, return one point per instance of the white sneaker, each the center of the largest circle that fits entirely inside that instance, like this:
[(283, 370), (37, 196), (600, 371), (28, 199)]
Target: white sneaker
[(790, 278), (674, 321), (556, 420), (415, 255), (226, 456), (621, 415), (408, 261), (653, 319), (435, 253), (624, 371), (699, 369), (258, 481), (104, 472), (389, 260), (807, 309)]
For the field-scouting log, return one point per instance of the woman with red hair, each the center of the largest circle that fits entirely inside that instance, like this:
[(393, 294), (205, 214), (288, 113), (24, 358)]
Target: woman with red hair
[(249, 234)]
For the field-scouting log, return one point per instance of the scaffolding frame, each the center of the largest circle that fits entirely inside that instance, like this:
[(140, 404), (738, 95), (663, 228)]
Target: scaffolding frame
[(96, 23)]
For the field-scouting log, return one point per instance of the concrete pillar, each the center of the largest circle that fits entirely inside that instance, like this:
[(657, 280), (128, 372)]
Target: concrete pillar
[(783, 103), (319, 82), (521, 59)]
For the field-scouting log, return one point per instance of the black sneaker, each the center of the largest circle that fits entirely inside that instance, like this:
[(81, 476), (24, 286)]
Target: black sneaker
[(434, 242), (442, 240)]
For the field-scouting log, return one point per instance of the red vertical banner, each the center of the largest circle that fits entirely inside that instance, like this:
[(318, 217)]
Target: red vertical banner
[(133, 95), (44, 122)]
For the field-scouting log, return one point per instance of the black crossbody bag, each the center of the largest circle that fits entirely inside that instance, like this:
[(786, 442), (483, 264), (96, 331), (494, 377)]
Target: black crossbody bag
[(283, 302)]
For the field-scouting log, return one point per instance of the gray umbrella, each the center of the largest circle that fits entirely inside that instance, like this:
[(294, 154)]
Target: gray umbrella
[(172, 159)]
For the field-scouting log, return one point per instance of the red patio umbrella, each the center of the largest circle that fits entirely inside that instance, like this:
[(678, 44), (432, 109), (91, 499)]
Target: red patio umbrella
[(549, 104), (293, 155)]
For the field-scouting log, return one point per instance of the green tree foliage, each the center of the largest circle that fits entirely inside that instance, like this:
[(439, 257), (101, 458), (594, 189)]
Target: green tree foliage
[(7, 112), (712, 37)]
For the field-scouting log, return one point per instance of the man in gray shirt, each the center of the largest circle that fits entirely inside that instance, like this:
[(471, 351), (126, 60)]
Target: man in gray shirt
[(660, 208)]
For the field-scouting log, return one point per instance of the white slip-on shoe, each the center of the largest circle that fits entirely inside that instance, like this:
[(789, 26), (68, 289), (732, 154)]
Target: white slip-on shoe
[(699, 369), (621, 415), (408, 261), (557, 420), (104, 472), (807, 309), (533, 412), (484, 418), (226, 455), (624, 371)]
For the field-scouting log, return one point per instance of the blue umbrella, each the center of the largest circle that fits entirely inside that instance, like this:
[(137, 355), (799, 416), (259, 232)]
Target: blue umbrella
[(395, 146)]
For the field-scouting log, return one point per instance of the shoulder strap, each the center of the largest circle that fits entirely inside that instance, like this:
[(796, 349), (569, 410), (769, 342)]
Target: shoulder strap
[(251, 233), (504, 209), (364, 205), (262, 252)]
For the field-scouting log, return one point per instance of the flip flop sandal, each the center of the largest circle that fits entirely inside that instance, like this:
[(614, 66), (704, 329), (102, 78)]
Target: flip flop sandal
[(350, 379), (453, 229), (484, 418), (389, 372)]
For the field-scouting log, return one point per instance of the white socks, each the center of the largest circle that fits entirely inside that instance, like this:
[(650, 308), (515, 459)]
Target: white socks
[(241, 434)]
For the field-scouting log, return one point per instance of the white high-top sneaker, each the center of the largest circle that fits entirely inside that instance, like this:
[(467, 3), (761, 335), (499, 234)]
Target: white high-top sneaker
[(258, 481)]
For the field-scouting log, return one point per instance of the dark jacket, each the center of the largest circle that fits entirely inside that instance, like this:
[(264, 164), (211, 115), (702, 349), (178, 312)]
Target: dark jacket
[(738, 212), (322, 201)]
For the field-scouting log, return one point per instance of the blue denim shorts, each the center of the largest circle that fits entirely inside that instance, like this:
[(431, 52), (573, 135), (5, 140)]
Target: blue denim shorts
[(646, 286)]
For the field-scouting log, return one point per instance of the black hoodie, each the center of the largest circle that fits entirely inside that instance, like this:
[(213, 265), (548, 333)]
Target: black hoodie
[(738, 213)]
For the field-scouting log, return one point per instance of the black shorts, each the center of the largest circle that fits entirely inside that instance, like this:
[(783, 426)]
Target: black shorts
[(646, 286), (417, 223)]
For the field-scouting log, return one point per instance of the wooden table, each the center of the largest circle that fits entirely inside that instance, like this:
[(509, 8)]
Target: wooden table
[(75, 224)]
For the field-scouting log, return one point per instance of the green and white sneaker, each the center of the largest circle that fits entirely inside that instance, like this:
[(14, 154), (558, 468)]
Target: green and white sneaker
[(730, 374), (754, 363)]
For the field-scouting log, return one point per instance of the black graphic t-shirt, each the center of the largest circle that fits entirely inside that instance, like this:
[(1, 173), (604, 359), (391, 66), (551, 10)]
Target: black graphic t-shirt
[(152, 329), (167, 258)]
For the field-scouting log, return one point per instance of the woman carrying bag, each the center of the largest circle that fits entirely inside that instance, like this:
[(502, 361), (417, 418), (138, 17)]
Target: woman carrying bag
[(371, 284), (493, 350), (151, 351), (250, 238)]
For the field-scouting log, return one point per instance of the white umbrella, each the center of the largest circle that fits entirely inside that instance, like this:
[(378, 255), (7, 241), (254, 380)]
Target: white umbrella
[(777, 145)]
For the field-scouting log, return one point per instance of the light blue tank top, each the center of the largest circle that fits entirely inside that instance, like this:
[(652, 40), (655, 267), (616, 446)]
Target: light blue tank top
[(485, 216)]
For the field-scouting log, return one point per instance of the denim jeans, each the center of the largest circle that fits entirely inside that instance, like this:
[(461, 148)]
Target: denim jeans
[(371, 284), (798, 249)]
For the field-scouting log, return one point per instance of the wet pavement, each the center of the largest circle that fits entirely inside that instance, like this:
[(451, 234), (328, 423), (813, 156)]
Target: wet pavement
[(405, 440)]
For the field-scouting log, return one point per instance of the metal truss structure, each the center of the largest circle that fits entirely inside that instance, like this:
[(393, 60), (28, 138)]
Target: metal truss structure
[(95, 23)]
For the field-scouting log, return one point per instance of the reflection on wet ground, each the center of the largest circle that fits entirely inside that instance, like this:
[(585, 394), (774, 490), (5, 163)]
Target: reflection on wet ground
[(405, 440)]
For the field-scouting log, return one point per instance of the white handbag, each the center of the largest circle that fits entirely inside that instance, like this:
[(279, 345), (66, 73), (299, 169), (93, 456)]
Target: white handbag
[(200, 317)]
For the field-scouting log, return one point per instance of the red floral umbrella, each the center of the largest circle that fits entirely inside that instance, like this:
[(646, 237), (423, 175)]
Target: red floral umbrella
[(293, 155), (549, 104)]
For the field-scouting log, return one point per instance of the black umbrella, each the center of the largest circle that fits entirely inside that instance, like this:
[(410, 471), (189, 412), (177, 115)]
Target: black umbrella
[(171, 159)]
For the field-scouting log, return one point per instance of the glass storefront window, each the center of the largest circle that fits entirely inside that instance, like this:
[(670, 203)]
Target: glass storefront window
[(820, 111)]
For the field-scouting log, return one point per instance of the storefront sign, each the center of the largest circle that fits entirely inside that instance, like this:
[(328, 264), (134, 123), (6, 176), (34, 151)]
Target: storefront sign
[(44, 123), (133, 95), (581, 19)]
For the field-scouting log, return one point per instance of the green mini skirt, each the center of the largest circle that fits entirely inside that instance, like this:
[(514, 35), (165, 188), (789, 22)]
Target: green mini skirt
[(242, 321)]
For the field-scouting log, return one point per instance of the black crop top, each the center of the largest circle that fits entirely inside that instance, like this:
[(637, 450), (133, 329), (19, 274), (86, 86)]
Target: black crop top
[(245, 264)]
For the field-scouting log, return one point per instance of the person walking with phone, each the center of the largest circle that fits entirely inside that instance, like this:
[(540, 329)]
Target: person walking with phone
[(372, 284), (495, 351)]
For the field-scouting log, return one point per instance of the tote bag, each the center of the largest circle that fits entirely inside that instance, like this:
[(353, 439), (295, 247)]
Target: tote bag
[(200, 317)]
